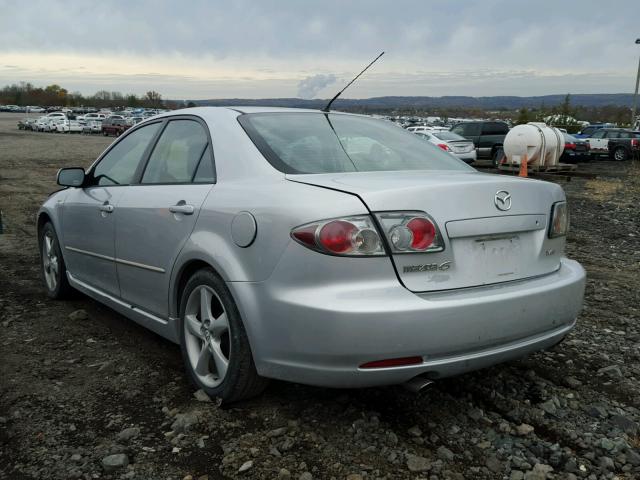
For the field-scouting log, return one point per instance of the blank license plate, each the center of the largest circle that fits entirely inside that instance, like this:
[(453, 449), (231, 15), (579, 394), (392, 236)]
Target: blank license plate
[(498, 257)]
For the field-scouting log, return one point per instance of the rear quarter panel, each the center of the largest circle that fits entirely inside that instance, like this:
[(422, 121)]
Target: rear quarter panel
[(277, 205)]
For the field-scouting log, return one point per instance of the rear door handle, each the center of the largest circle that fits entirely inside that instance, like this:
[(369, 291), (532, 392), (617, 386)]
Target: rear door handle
[(106, 208), (182, 208)]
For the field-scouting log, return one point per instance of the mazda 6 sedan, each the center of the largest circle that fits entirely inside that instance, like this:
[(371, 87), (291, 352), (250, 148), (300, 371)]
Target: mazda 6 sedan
[(322, 248)]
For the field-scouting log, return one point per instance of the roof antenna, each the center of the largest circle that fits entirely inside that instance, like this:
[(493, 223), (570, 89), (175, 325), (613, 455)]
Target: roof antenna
[(326, 109)]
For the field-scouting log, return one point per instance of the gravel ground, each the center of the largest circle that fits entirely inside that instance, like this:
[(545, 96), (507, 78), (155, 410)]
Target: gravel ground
[(86, 393)]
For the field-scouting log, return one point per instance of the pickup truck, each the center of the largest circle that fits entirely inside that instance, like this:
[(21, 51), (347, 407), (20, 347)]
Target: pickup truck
[(626, 145), (487, 136), (114, 126)]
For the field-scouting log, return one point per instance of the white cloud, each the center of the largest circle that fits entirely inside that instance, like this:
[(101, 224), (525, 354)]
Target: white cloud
[(214, 49)]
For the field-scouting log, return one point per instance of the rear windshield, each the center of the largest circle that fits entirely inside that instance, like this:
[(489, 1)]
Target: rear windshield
[(449, 136), (330, 143)]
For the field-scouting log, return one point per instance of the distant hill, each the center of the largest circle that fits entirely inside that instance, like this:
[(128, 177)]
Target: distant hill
[(388, 103)]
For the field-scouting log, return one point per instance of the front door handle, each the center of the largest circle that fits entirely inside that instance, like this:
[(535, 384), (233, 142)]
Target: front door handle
[(106, 207), (182, 208)]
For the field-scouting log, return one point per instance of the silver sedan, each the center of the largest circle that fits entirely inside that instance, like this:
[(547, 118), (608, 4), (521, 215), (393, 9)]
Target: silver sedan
[(322, 248)]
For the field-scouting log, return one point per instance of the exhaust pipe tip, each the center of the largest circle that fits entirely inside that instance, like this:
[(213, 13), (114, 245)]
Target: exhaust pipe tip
[(417, 384)]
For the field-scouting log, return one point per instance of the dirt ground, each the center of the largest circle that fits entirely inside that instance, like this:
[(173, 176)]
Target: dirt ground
[(75, 388)]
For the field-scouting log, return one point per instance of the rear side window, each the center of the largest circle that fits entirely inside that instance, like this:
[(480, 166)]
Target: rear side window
[(469, 129), (495, 128), (119, 165), (177, 153), (205, 173), (613, 134)]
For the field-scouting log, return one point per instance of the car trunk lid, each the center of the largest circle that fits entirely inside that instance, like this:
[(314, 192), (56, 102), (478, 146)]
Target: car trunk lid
[(482, 243)]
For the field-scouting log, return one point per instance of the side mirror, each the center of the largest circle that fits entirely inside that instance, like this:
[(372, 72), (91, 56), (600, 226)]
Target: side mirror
[(70, 177)]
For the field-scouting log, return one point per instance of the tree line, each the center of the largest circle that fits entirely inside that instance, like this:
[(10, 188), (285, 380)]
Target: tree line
[(27, 94), (564, 115)]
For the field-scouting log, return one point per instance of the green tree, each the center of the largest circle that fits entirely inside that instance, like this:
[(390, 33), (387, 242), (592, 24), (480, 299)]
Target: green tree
[(523, 116)]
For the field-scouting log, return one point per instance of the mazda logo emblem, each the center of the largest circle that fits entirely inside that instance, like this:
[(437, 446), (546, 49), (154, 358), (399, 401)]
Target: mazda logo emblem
[(502, 200)]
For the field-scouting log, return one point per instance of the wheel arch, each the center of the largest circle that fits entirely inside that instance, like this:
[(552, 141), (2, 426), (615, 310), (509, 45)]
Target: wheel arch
[(182, 275), (43, 217)]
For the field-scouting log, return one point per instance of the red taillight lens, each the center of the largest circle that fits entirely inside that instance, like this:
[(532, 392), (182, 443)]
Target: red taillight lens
[(444, 147), (411, 232), (351, 236), (337, 236), (635, 142), (424, 232), (393, 362), (569, 146)]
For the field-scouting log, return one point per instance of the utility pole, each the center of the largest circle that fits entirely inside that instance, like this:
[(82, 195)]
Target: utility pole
[(635, 95)]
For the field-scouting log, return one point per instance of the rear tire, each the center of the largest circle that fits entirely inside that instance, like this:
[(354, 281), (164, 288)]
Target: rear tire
[(213, 341), (620, 154), (53, 268)]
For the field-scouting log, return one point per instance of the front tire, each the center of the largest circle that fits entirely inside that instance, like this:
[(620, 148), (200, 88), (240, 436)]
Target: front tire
[(213, 341), (54, 270)]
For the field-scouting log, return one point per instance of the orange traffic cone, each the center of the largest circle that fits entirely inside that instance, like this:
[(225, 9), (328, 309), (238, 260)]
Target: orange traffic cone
[(523, 166)]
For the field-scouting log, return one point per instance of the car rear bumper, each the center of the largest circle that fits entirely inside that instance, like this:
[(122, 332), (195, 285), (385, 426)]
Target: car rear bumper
[(468, 157), (321, 337)]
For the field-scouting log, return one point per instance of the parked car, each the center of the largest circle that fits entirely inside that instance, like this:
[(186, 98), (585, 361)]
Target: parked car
[(114, 126), (92, 116), (134, 120), (453, 143), (51, 124), (624, 146), (69, 126), (588, 131), (575, 150), (56, 115), (26, 123), (40, 123), (323, 248), (599, 141), (92, 126), (487, 136)]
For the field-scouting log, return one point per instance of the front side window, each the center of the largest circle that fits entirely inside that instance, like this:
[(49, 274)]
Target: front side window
[(177, 154), (598, 134), (119, 165), (328, 143)]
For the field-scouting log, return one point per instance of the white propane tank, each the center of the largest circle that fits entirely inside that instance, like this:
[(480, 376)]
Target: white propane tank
[(542, 144)]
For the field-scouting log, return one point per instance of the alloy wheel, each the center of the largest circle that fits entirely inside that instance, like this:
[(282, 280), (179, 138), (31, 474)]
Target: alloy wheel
[(207, 338), (50, 261)]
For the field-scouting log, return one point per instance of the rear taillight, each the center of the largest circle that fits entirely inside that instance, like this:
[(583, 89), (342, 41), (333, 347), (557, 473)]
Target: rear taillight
[(635, 143), (351, 236), (406, 232), (559, 225), (569, 146), (411, 232), (444, 147)]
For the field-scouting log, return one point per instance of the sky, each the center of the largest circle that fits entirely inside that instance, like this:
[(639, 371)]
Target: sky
[(200, 49)]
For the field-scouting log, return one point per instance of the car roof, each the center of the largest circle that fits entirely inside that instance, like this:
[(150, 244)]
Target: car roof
[(215, 111)]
